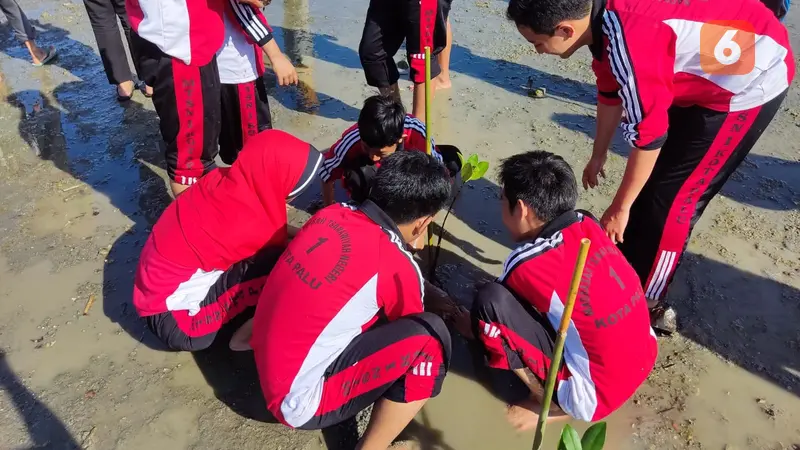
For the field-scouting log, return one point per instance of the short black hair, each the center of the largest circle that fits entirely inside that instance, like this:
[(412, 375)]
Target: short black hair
[(410, 185), (542, 180), (542, 16), (380, 122)]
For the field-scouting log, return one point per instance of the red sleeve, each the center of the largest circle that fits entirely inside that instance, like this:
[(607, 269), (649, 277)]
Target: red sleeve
[(332, 166), (607, 86), (415, 133), (641, 57), (252, 22), (400, 284)]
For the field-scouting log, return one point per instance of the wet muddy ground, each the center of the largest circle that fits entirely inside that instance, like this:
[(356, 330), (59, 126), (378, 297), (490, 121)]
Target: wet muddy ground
[(82, 181)]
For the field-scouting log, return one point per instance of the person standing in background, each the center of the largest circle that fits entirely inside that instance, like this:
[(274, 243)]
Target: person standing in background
[(103, 17), (245, 104), (420, 23), (695, 102), (176, 42), (25, 33)]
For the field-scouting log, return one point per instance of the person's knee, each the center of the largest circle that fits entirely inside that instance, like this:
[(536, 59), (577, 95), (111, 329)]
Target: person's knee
[(434, 326), (491, 298), (174, 338), (368, 53)]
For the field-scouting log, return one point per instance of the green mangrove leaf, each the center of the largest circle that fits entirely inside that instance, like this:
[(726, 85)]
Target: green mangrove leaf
[(473, 159), (460, 159), (480, 171), (569, 439), (595, 437), (466, 171)]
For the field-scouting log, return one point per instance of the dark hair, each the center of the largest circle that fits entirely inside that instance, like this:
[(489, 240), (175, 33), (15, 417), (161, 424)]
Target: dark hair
[(410, 185), (542, 180), (542, 16), (380, 122)]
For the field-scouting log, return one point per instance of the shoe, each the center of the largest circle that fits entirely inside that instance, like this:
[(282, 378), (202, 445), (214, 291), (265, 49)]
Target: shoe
[(664, 319), (51, 53), (123, 98)]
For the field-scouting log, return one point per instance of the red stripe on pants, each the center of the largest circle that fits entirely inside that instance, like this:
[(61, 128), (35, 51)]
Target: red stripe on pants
[(427, 25), (384, 368), (247, 110), (227, 306), (189, 100), (684, 207), (531, 356)]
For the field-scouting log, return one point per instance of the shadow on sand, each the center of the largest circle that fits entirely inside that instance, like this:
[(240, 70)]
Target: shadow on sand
[(762, 181), (45, 429)]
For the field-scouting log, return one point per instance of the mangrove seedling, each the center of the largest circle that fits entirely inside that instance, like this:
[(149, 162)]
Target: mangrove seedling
[(473, 168), (593, 439)]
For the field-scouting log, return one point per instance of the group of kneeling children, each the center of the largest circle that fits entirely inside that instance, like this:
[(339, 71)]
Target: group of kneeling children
[(342, 317)]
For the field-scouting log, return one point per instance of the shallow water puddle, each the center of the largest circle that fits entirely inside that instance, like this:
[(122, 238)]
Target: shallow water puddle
[(465, 416)]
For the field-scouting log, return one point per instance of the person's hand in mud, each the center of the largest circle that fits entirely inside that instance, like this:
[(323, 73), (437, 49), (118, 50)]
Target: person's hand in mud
[(614, 222), (594, 170), (438, 302), (462, 321)]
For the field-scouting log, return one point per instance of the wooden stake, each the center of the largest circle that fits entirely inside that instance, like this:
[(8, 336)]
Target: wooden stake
[(550, 382)]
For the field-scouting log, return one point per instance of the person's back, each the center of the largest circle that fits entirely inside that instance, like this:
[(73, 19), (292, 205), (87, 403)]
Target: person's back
[(209, 252), (692, 47), (340, 271), (321, 349), (610, 348)]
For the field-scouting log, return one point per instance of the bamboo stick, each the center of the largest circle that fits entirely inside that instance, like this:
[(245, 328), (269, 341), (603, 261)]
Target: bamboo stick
[(428, 98), (550, 382)]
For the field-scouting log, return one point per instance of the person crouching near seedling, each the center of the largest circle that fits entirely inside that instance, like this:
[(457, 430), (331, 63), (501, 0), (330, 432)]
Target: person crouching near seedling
[(341, 323), (610, 347), (209, 253), (383, 128)]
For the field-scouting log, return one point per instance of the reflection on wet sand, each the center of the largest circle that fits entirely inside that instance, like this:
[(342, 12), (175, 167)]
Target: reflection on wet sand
[(299, 47)]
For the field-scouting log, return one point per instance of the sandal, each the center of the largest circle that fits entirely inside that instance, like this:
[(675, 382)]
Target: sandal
[(123, 98), (142, 86), (51, 53)]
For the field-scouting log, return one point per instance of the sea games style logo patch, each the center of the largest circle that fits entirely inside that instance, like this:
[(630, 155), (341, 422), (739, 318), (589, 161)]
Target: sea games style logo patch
[(727, 47)]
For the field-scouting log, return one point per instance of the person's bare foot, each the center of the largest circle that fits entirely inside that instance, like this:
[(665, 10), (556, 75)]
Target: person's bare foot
[(439, 84), (524, 415), (177, 189), (442, 82), (125, 89), (39, 55)]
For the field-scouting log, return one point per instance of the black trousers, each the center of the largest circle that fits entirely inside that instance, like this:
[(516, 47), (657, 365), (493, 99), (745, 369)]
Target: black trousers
[(419, 23), (187, 100), (23, 29), (703, 149), (103, 15), (235, 293), (245, 113), (403, 361)]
